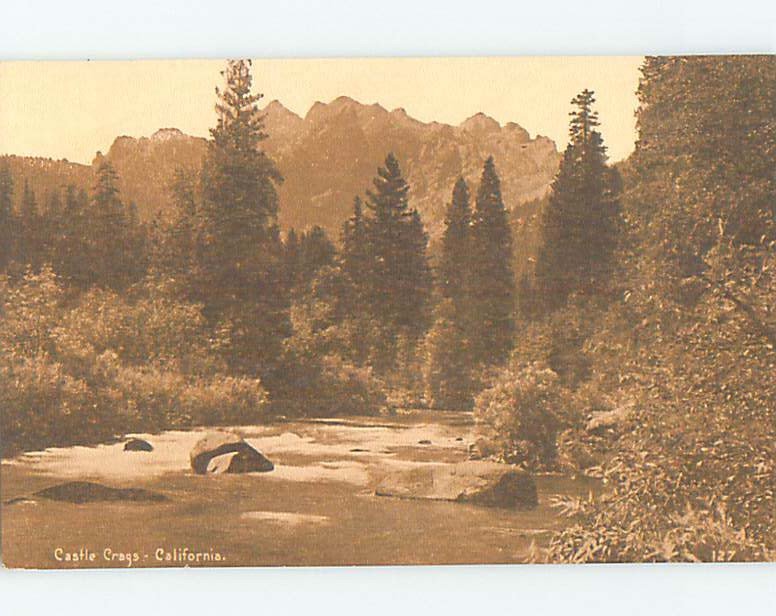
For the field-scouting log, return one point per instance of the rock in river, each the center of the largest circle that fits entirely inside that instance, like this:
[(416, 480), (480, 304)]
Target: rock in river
[(226, 452), (87, 492), (138, 444), (483, 483)]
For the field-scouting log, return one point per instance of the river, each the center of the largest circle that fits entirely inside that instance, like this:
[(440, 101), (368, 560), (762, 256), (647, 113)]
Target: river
[(316, 508)]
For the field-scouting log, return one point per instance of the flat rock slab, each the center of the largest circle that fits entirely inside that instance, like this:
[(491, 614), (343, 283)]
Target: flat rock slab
[(87, 492), (484, 483)]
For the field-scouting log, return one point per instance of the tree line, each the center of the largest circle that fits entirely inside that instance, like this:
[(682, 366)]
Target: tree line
[(434, 332)]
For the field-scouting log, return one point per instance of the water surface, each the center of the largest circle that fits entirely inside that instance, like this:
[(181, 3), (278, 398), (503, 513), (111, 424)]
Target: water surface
[(316, 508)]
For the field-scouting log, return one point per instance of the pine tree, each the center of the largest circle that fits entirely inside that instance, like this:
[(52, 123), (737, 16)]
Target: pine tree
[(136, 247), (292, 258), (582, 218), (450, 365), (7, 222), (73, 253), (52, 227), (241, 253), (456, 260), (354, 248), (398, 280), (316, 251), (175, 242), (108, 231), (449, 372), (493, 285), (30, 240)]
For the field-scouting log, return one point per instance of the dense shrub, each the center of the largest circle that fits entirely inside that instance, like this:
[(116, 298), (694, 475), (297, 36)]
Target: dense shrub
[(78, 370), (524, 408), (677, 497), (41, 405), (318, 378)]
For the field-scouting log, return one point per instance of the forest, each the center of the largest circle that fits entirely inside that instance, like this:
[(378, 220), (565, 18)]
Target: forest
[(637, 348)]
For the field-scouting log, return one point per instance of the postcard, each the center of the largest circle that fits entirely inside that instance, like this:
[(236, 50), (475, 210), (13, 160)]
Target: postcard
[(387, 311)]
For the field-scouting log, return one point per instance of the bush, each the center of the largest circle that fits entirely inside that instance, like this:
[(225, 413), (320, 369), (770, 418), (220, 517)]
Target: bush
[(149, 326), (523, 408), (42, 405), (677, 498), (79, 370)]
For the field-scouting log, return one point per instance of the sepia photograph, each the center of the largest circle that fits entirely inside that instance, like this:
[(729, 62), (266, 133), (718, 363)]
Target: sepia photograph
[(388, 311)]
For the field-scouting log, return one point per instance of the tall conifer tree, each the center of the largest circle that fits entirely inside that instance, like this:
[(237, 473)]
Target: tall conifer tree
[(74, 253), (582, 218), (398, 281), (354, 249), (456, 243), (6, 215), (493, 281), (241, 256), (108, 231), (450, 365), (30, 237)]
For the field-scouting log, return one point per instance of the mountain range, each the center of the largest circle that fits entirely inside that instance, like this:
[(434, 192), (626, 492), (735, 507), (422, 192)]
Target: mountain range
[(327, 158)]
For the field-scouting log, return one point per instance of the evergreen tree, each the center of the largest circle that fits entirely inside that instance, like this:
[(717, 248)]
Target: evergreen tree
[(582, 218), (136, 249), (241, 253), (492, 279), (398, 280), (450, 364), (30, 240), (108, 230), (456, 260), (292, 258), (52, 228), (316, 251), (305, 255), (175, 242), (449, 373), (6, 215), (73, 253), (354, 248)]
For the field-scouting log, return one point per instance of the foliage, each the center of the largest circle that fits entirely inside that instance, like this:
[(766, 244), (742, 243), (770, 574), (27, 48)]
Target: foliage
[(318, 376), (106, 364), (240, 254), (449, 374), (692, 337), (492, 305), (397, 283), (523, 408), (582, 220), (710, 499), (6, 214)]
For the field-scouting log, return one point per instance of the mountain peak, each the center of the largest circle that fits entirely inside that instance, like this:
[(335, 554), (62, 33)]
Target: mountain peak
[(278, 109), (343, 101), (165, 134), (480, 123)]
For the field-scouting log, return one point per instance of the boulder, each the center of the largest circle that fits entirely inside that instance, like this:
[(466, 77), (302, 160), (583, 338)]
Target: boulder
[(138, 444), (483, 483), (87, 492), (226, 452)]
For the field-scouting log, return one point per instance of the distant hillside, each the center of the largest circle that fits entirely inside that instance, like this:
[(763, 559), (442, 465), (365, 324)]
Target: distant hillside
[(46, 175), (327, 158)]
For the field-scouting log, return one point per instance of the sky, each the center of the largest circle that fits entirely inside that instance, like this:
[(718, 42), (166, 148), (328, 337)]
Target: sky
[(73, 109)]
